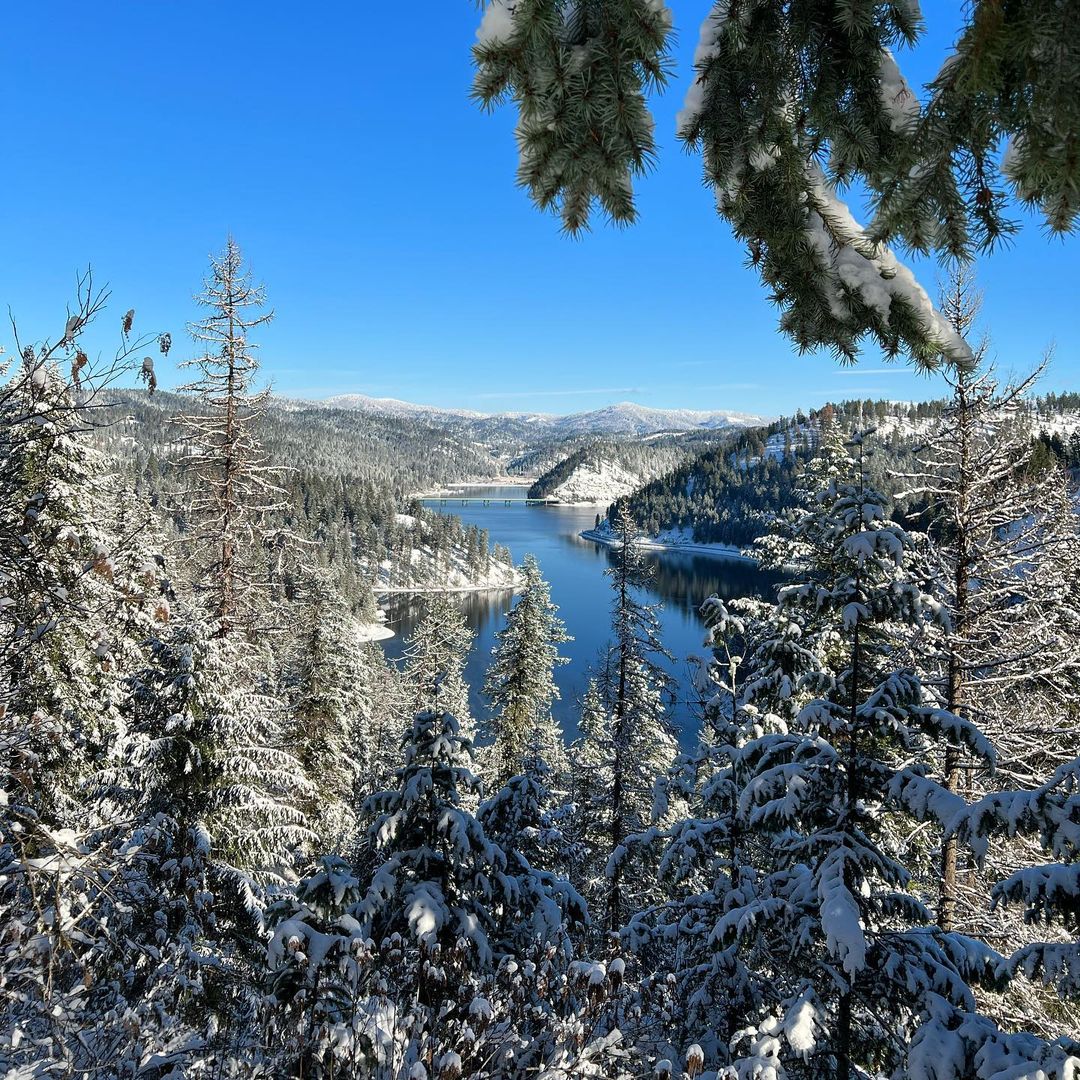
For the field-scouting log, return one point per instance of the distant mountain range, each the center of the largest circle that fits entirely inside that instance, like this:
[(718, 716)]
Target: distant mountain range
[(625, 418)]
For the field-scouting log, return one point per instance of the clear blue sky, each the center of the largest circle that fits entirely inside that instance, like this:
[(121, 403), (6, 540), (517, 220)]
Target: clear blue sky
[(336, 140)]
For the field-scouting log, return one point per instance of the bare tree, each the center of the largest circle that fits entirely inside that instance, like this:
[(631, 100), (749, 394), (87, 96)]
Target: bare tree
[(996, 531), (232, 487)]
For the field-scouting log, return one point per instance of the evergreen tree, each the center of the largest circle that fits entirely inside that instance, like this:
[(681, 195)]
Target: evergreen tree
[(710, 861), (435, 662), (231, 486), (997, 537), (590, 787), (521, 680), (861, 960), (78, 585), (205, 746), (638, 742), (326, 683), (452, 916)]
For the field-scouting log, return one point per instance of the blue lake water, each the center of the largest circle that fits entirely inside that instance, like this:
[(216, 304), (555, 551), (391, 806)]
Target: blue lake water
[(575, 569)]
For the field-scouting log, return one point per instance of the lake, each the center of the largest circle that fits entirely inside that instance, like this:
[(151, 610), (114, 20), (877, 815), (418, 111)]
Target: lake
[(575, 569)]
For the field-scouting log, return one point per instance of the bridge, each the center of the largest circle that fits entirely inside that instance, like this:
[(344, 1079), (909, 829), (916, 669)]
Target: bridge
[(482, 501)]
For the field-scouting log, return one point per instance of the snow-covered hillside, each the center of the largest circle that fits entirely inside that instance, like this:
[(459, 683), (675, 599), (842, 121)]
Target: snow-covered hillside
[(422, 568), (596, 482)]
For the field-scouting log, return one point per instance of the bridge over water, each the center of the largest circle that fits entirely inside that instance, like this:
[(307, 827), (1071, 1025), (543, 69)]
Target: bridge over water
[(474, 500)]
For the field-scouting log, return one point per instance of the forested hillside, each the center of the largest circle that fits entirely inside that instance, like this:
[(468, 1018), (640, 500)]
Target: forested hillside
[(772, 773), (733, 494), (603, 469), (345, 481)]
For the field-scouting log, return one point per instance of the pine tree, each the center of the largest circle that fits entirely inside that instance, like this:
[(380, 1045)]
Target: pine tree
[(467, 935), (231, 486), (639, 742), (521, 680), (590, 778), (435, 662), (1050, 896), (205, 747), (78, 584), (997, 535), (79, 589), (710, 860), (326, 687), (837, 900)]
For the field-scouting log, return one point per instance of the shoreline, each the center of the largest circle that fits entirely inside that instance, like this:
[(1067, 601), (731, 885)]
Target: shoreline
[(714, 551), (397, 589)]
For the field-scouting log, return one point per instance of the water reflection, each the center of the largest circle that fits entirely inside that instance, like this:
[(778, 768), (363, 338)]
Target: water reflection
[(574, 567)]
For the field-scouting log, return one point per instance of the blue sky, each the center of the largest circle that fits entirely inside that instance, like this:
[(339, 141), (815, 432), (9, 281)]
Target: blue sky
[(338, 144)]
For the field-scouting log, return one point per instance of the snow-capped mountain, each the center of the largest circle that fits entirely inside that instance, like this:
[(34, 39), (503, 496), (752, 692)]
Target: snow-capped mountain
[(394, 407), (624, 418), (628, 418)]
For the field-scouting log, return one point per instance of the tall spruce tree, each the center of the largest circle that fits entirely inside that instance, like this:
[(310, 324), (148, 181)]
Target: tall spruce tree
[(861, 960), (327, 688), (521, 680), (632, 735), (997, 535), (435, 662)]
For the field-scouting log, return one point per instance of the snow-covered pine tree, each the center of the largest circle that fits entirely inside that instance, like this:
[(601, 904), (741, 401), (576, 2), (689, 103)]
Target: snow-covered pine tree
[(637, 744), (782, 548), (590, 783), (78, 588), (231, 487), (521, 680), (861, 961), (387, 697), (139, 937), (791, 101), (453, 960), (329, 700), (435, 662), (1049, 894), (206, 748), (526, 815), (710, 859)]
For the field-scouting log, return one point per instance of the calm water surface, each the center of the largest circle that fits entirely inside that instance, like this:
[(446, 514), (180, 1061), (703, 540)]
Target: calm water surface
[(575, 569)]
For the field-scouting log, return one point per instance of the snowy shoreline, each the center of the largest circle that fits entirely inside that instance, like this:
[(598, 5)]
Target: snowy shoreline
[(715, 551), (385, 590)]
